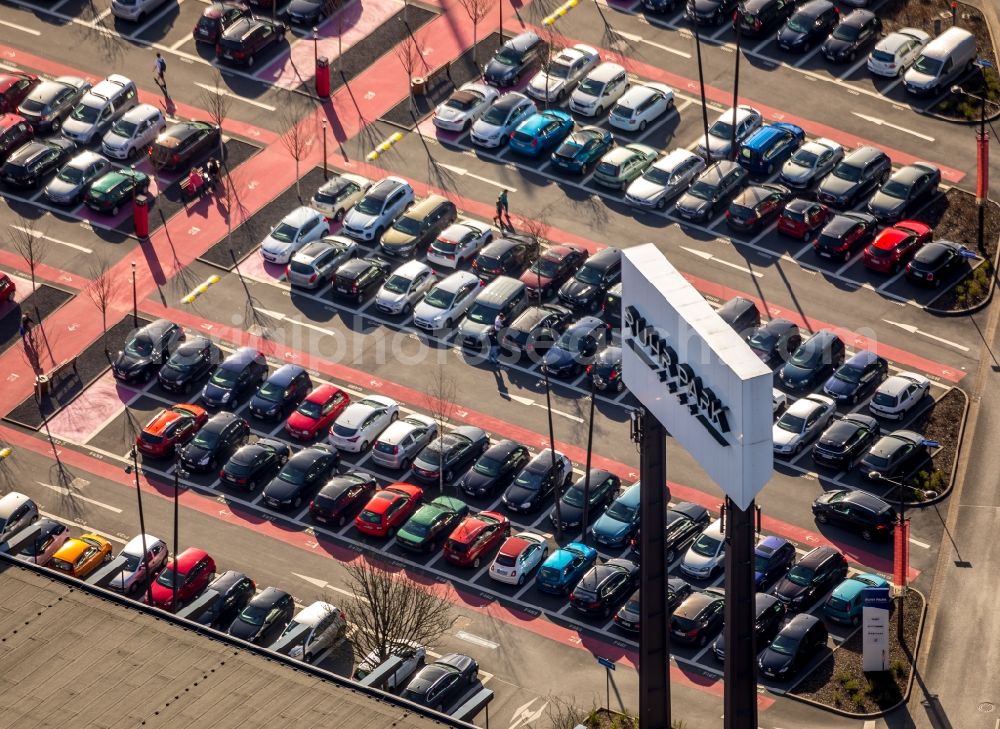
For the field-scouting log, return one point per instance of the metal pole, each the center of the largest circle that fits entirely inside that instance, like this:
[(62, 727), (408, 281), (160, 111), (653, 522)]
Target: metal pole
[(586, 473), (902, 588), (736, 101), (500, 10), (142, 526), (135, 300), (274, 10), (701, 83), (607, 687), (548, 410), (981, 212), (326, 175), (315, 46), (177, 488), (740, 700)]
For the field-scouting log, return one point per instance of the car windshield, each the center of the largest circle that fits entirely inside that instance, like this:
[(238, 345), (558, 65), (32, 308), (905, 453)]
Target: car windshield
[(801, 576), (784, 645), (481, 313), (530, 480), (284, 233), (132, 562), (432, 453), (883, 56), (763, 341), (795, 215), (706, 546), (849, 373), (85, 113), (894, 188), (397, 284), (702, 190), (32, 106), (876, 461), (559, 70), (254, 614), (847, 172), (496, 114), (721, 129), (124, 128), (800, 23), (309, 409), (591, 87), (846, 32), (407, 226), (294, 473), (439, 298), (805, 158), (370, 205), (206, 438), (167, 577), (621, 512), (588, 275), (224, 377), (507, 56), (73, 175), (657, 176), (417, 530), (928, 65), (547, 267), (761, 563), (574, 497), (570, 340), (139, 346), (807, 355), (791, 423), (488, 466), (270, 391)]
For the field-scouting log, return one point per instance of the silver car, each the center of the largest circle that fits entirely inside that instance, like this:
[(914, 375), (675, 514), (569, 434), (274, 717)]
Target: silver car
[(405, 287), (69, 186), (134, 573), (135, 131), (99, 107), (403, 440), (134, 10), (317, 262)]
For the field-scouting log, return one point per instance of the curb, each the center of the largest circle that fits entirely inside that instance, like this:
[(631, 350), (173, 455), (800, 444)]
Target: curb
[(909, 682), (954, 466)]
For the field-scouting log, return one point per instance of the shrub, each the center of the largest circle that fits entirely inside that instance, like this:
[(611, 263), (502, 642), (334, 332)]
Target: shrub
[(843, 677), (836, 697), (852, 685), (860, 702), (898, 668)]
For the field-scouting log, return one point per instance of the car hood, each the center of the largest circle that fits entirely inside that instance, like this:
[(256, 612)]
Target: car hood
[(61, 188), (539, 86), (473, 329), (716, 145), (127, 363), (609, 526), (643, 189), (265, 406), (518, 495), (774, 661), (121, 580), (794, 374), (447, 113), (357, 219), (475, 481), (424, 310), (919, 80), (194, 453), (784, 437), (579, 290), (280, 489), (699, 562), (570, 514), (789, 590), (885, 204), (215, 392), (794, 172), (488, 129), (76, 126), (389, 297), (837, 46), (840, 387), (788, 35), (836, 185), (557, 357), (497, 70), (115, 140), (244, 630), (276, 246), (692, 203)]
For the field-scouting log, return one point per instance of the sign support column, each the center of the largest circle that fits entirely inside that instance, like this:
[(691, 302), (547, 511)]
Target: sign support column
[(740, 702)]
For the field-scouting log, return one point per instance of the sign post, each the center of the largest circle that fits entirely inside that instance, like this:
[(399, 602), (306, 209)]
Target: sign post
[(609, 666), (875, 617)]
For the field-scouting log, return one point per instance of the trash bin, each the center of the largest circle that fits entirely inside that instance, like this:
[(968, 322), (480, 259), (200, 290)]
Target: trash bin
[(141, 216), (418, 87), (323, 77), (42, 386)]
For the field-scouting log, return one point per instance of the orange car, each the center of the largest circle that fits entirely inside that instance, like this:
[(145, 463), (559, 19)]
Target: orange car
[(80, 556), (171, 428)]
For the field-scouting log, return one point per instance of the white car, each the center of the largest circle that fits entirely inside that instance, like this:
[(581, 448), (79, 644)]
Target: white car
[(302, 225), (667, 178), (447, 302), (779, 402), (134, 573), (51, 536), (16, 512), (804, 419), (134, 10), (719, 140), (899, 394), (564, 71), (413, 656), (495, 126), (338, 194), (518, 557), (324, 625), (403, 440), (465, 105), (459, 242), (383, 203), (600, 90), (895, 53), (641, 105), (405, 287), (810, 163), (362, 422), (133, 132), (98, 108), (707, 554)]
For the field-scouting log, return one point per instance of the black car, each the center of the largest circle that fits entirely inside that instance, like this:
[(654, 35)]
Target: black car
[(183, 144), (606, 370), (813, 361), (856, 30), (775, 341), (255, 464), (845, 441), (859, 511), (359, 277), (802, 638), (680, 530), (814, 575), (772, 558), (495, 469), (894, 455), (243, 369), (604, 587), (844, 234), (31, 163), (854, 380), (709, 12), (544, 475), (440, 683), (341, 496), (576, 347), (451, 453), (310, 12), (695, 512), (756, 17), (808, 26), (536, 329), (507, 256), (713, 188), (602, 490), (908, 188), (216, 18), (281, 392), (192, 360), (855, 176), (741, 314), (585, 291), (698, 618), (301, 475), (769, 614), (145, 350), (271, 607), (233, 591), (756, 206), (215, 441), (50, 102), (934, 262), (514, 58), (244, 40), (677, 592), (659, 6)]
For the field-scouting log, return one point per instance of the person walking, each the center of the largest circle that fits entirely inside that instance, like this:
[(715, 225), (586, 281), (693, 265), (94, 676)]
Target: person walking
[(25, 329), (159, 71), (503, 209), (498, 324)]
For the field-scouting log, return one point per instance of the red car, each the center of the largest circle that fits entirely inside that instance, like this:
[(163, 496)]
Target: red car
[(477, 536), (171, 428), (552, 269), (216, 18), (389, 509), (894, 246), (801, 218), (15, 132), (317, 412), (194, 570), (7, 288), (14, 88)]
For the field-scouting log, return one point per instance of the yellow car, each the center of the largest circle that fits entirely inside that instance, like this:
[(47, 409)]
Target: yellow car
[(80, 556)]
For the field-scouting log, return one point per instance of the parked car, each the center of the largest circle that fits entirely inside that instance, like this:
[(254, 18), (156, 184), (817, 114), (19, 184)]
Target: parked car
[(811, 578), (542, 132), (814, 361), (852, 35), (801, 218), (597, 494), (846, 441), (248, 38), (619, 521), (50, 101), (519, 556), (450, 454), (324, 624), (342, 496), (169, 429), (145, 351), (773, 557), (606, 370), (16, 512), (308, 13), (494, 127), (643, 104), (405, 287), (439, 684), (418, 226), (808, 26), (897, 51), (775, 341), (599, 90), (316, 263), (560, 75), (255, 464), (74, 179), (14, 88), (494, 469), (447, 301), (698, 617), (301, 226), (764, 150), (411, 653), (552, 269), (98, 108), (80, 556), (701, 12), (215, 441), (582, 149), (563, 568), (756, 206), (859, 511), (769, 614), (855, 176), (576, 347), (846, 602), (718, 143), (361, 423), (357, 278), (301, 476), (810, 163), (544, 475), (934, 262), (7, 288), (802, 637), (898, 395), (895, 455), (475, 538), (216, 18), (844, 234), (269, 609), (667, 178), (134, 10), (906, 190), (190, 571), (40, 550), (136, 130), (604, 587), (515, 57), (115, 190), (536, 330), (505, 256), (400, 443), (145, 555), (231, 591), (431, 524), (316, 413), (235, 376), (388, 509), (374, 212), (339, 194), (15, 132), (713, 189), (466, 104), (183, 145), (31, 164), (857, 377), (621, 165), (679, 531), (706, 556), (280, 393)]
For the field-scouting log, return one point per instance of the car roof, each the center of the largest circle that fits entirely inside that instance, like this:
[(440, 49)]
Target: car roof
[(454, 281), (858, 17), (817, 556), (695, 603), (770, 544), (285, 374), (862, 155), (815, 7), (227, 581), (862, 358), (134, 545), (808, 404), (630, 496), (522, 41), (141, 112), (311, 614), (300, 216), (867, 500), (510, 100), (220, 421), (242, 357), (10, 502), (778, 326), (899, 382), (673, 158), (269, 596), (799, 625), (189, 558)]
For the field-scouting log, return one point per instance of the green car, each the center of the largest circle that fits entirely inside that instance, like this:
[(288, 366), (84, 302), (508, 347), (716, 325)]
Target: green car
[(623, 164), (113, 190), (426, 529)]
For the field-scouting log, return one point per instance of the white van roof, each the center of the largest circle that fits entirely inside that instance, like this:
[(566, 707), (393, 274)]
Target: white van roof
[(312, 614), (946, 42), (10, 503)]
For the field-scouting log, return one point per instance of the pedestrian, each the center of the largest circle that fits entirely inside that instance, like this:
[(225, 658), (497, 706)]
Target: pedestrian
[(504, 206), (25, 329), (498, 218), (498, 324), (159, 69)]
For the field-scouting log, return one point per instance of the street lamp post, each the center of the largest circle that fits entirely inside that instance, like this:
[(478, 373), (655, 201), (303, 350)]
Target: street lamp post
[(548, 410), (590, 446), (178, 474), (135, 300), (326, 175), (134, 469), (315, 46), (982, 160), (701, 83)]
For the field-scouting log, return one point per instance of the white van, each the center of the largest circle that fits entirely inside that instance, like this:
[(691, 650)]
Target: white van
[(942, 61), (325, 624), (599, 90)]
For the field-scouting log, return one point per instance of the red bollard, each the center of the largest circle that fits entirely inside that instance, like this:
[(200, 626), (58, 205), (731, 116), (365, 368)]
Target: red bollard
[(323, 77), (140, 216)]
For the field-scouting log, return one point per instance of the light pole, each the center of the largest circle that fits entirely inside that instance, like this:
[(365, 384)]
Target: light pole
[(135, 300), (590, 446), (315, 46), (133, 468), (326, 175), (548, 410), (982, 157), (178, 474), (701, 83), (736, 90)]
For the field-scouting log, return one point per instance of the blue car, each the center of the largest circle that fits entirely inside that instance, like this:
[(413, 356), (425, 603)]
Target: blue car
[(766, 149), (541, 132), (857, 378), (847, 601), (621, 520), (773, 557), (581, 149), (562, 569)]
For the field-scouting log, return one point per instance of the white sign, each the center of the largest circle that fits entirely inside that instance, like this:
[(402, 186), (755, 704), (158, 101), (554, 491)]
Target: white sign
[(695, 374), (875, 622)]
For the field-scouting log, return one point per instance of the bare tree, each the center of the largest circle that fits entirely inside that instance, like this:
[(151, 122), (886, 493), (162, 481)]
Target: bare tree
[(32, 246), (101, 291), (389, 609), (217, 102), (439, 399), (408, 53), (536, 226), (562, 713), (477, 10), (296, 138)]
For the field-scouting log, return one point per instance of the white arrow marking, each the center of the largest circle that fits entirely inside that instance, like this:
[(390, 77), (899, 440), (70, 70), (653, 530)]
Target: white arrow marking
[(37, 234), (911, 329), (883, 123), (709, 257), (561, 413), (524, 716), (324, 585), (639, 39), (462, 172), (311, 580), (66, 492), (231, 95)]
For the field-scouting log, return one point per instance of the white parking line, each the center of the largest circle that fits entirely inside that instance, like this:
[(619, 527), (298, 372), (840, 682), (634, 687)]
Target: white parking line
[(23, 29), (230, 95), (853, 68), (476, 640), (73, 494), (80, 525), (156, 17), (807, 56), (38, 234)]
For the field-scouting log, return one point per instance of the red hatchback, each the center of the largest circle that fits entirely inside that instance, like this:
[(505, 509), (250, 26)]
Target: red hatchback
[(194, 570), (7, 289), (15, 132), (552, 269), (477, 536), (317, 412), (894, 246), (171, 428), (801, 218), (388, 509), (14, 88)]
